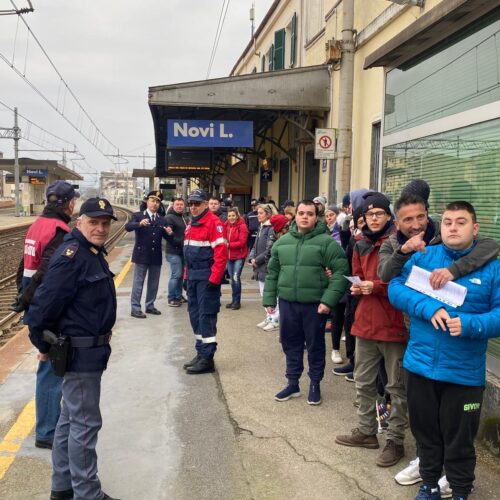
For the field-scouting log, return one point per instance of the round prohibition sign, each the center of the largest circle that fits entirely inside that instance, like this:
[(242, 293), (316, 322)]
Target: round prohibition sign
[(325, 142)]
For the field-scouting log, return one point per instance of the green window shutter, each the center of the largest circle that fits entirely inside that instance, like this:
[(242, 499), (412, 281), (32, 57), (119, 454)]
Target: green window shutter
[(271, 58), (279, 49), (293, 41), (263, 64)]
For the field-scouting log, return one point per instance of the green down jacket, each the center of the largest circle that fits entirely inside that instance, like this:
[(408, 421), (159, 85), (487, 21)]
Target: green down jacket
[(296, 270)]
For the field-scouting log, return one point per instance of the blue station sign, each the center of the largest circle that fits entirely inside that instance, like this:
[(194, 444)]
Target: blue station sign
[(36, 172), (209, 133)]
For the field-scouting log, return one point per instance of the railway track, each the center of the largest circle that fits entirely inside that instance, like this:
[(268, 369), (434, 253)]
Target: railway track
[(11, 248)]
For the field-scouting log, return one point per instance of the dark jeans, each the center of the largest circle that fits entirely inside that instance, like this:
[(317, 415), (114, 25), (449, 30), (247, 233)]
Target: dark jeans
[(337, 324), (234, 268), (300, 324), (444, 419)]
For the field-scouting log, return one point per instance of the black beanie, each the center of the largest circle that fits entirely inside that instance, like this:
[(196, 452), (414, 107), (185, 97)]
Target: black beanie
[(374, 199), (418, 187)]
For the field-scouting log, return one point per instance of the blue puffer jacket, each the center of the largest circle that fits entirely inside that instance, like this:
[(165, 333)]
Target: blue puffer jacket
[(435, 354)]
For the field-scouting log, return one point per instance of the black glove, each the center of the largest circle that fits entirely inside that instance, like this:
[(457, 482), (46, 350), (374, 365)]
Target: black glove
[(212, 286)]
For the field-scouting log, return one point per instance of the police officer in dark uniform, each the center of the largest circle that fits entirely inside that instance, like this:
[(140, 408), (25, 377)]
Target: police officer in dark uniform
[(149, 229), (77, 302)]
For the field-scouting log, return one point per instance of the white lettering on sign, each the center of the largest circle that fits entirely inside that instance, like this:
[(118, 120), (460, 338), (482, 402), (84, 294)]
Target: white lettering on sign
[(222, 132), (183, 130)]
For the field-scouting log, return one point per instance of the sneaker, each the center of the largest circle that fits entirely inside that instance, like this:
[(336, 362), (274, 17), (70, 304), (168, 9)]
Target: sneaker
[(342, 338), (271, 326), (289, 392), (444, 488), (427, 492), (343, 370), (409, 475), (183, 300), (350, 377), (358, 439), (174, 303), (314, 397), (262, 324), (391, 454), (336, 357)]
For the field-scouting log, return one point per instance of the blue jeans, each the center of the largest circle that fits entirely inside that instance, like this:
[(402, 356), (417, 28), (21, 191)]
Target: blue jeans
[(48, 401), (140, 271), (235, 267), (176, 263)]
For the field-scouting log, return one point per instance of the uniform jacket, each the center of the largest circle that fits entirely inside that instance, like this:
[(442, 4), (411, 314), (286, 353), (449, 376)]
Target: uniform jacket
[(261, 250), (375, 318), (178, 223), (42, 239), (435, 354), (296, 270), (147, 248), (205, 249), (237, 236), (76, 298), (392, 260)]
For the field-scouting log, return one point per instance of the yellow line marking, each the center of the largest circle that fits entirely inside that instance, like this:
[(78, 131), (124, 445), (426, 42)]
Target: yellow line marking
[(12, 442), (14, 439), (123, 273)]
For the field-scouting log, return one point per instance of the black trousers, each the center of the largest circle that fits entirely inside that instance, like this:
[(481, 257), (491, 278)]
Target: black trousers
[(444, 419), (337, 324)]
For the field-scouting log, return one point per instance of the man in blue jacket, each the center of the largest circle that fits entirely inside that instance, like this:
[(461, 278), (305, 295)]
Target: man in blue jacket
[(149, 229), (446, 355)]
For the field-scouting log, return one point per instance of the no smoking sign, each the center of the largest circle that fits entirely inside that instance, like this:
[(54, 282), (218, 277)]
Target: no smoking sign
[(324, 144)]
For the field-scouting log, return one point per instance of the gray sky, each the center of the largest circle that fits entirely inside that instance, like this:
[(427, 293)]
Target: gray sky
[(110, 52)]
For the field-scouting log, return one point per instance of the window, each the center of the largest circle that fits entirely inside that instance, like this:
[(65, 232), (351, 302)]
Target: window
[(270, 58), (375, 156), (291, 42), (314, 18), (284, 182), (311, 176), (279, 49)]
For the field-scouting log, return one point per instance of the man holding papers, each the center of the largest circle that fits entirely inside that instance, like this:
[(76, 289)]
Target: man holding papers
[(446, 355)]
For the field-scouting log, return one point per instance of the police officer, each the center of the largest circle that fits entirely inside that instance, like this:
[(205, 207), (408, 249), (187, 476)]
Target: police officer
[(205, 255), (149, 230), (44, 236), (77, 300)]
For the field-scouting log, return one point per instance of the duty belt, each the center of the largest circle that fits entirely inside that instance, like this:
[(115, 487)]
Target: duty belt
[(96, 341)]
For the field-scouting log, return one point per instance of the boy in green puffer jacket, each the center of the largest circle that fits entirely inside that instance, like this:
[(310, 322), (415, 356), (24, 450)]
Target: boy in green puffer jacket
[(296, 276)]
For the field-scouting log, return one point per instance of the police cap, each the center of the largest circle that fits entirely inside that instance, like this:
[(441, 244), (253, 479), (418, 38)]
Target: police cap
[(61, 192), (155, 194), (97, 207)]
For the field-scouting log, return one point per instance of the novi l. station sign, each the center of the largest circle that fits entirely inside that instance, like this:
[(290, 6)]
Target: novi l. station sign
[(209, 134)]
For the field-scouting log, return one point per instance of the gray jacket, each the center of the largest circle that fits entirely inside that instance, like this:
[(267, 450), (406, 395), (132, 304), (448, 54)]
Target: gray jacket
[(261, 250)]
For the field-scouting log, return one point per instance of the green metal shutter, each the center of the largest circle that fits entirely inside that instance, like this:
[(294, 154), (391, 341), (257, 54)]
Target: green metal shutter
[(271, 57), (279, 49), (293, 41), (263, 64)]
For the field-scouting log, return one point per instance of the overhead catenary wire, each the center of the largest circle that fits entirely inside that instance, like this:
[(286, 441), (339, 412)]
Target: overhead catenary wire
[(220, 25)]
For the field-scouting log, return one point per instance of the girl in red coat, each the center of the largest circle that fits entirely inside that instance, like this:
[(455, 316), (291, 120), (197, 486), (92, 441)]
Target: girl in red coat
[(237, 236)]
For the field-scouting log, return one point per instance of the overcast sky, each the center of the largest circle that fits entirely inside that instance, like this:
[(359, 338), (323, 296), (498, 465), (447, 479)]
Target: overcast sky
[(110, 52)]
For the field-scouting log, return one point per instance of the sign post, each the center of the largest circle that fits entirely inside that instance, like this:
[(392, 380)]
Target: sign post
[(324, 144)]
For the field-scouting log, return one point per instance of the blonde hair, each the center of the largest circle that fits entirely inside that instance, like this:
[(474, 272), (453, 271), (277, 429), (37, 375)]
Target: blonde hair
[(235, 210), (290, 211)]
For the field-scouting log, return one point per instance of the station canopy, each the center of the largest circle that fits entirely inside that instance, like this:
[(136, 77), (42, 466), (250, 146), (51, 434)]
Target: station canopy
[(51, 166), (296, 96)]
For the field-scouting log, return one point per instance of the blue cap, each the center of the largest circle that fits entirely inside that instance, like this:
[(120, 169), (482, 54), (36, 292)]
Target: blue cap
[(97, 207), (61, 192), (197, 195)]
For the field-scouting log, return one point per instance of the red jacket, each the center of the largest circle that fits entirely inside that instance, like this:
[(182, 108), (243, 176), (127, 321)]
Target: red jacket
[(205, 249), (237, 236), (376, 318)]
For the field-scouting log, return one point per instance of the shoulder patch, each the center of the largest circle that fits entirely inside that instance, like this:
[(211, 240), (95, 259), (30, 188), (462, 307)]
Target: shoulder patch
[(70, 250), (219, 228)]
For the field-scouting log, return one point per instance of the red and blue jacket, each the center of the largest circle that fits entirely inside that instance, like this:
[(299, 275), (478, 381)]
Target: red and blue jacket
[(205, 249)]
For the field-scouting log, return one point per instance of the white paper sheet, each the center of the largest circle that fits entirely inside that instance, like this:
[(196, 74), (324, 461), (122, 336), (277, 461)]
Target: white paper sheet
[(355, 280), (452, 293)]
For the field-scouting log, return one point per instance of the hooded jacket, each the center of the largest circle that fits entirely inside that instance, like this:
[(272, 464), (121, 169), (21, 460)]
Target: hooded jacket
[(296, 270), (375, 318), (237, 236)]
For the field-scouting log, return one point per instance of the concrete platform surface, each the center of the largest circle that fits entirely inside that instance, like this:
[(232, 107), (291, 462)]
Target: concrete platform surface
[(169, 435)]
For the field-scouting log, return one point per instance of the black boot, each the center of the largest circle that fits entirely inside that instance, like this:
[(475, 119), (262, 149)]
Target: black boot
[(236, 306), (192, 362), (61, 495), (203, 365), (229, 306)]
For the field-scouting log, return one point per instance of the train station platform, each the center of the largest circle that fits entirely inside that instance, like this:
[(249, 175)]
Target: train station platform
[(169, 435)]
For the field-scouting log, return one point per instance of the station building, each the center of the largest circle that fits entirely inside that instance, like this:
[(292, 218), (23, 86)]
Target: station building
[(411, 89), (35, 177)]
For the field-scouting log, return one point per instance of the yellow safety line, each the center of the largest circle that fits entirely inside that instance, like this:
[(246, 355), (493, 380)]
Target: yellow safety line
[(24, 424), (14, 439)]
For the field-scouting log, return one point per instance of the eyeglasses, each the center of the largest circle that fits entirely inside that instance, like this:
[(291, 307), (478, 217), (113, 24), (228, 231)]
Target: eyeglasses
[(375, 215), (194, 203)]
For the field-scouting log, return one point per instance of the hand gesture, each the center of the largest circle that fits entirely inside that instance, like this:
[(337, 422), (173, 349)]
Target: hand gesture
[(144, 222), (366, 287), (439, 278), (455, 326), (414, 244), (440, 319), (168, 230), (356, 290)]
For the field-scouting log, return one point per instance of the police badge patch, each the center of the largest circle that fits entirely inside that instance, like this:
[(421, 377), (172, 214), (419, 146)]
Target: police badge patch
[(219, 229), (70, 251)]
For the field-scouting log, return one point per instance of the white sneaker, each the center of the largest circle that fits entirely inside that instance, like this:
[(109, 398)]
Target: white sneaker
[(444, 488), (271, 326), (336, 357), (263, 324), (410, 475)]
